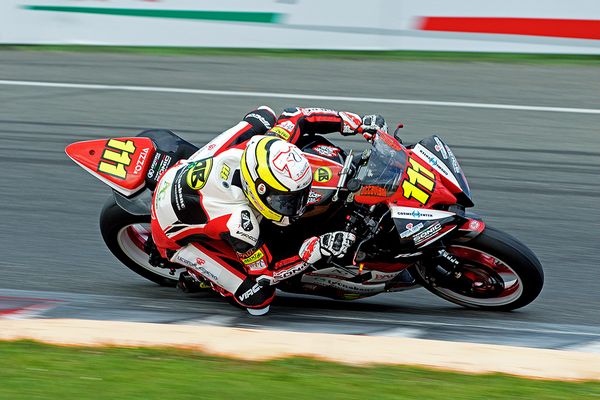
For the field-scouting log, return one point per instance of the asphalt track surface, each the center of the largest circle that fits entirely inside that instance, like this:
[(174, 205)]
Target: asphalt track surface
[(534, 174)]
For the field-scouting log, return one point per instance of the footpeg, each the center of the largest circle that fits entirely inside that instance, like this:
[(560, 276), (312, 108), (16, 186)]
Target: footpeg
[(189, 284)]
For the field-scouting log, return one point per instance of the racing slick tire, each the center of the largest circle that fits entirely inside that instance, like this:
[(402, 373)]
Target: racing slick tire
[(125, 235), (497, 273)]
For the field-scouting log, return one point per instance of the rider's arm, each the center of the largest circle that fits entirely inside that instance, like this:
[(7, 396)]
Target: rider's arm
[(243, 234), (256, 122), (295, 122)]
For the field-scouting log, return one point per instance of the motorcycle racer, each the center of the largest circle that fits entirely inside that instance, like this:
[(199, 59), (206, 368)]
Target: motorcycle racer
[(207, 210)]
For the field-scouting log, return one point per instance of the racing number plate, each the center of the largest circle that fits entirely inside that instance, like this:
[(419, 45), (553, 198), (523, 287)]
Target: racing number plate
[(116, 156), (419, 183)]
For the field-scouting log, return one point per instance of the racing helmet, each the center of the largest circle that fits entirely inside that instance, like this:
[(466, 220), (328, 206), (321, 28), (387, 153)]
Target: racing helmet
[(276, 178)]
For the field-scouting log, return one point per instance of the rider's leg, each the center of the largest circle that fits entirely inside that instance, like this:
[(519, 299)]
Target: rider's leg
[(230, 281)]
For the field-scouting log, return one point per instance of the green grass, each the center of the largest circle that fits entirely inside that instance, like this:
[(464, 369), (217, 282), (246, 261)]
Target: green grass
[(322, 54), (35, 371)]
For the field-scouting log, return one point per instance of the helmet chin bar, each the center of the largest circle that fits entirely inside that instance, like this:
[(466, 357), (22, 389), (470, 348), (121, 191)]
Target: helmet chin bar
[(285, 221)]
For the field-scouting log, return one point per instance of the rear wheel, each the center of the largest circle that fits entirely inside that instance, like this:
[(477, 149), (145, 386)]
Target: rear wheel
[(125, 235), (495, 272)]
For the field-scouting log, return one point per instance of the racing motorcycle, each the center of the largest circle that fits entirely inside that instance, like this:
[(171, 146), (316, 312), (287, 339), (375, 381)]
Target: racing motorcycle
[(406, 204)]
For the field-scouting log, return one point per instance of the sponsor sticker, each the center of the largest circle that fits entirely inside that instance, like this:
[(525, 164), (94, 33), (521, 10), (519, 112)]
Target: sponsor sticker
[(164, 165), (257, 255), (345, 285), (323, 174), (206, 273), (311, 110), (178, 191), (327, 151), (313, 198), (411, 229), (474, 225), (139, 164), (246, 221), (282, 133), (427, 233), (246, 235), (257, 266), (372, 191), (250, 292), (198, 173), (225, 170), (162, 190), (440, 148), (153, 166), (185, 261), (383, 276), (288, 273), (287, 125), (453, 161)]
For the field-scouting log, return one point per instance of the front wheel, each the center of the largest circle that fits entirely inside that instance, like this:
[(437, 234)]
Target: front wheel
[(125, 235), (495, 272)]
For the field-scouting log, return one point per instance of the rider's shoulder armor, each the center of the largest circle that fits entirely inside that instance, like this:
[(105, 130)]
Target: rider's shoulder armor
[(243, 226)]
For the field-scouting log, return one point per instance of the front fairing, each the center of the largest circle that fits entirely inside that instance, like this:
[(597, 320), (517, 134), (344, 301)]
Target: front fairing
[(421, 191), (399, 176), (438, 155)]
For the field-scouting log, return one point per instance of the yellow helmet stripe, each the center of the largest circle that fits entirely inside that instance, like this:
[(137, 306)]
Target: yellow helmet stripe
[(262, 156), (253, 195)]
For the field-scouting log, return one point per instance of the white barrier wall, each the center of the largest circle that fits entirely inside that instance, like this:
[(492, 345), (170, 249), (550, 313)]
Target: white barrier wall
[(551, 26)]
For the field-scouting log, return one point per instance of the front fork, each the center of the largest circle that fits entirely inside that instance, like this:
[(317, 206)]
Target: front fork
[(442, 267)]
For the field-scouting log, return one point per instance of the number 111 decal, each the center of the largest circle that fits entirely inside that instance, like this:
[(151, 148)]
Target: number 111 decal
[(421, 176), (116, 157)]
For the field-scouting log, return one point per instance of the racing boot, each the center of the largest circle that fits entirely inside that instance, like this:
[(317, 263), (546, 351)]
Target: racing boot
[(191, 284)]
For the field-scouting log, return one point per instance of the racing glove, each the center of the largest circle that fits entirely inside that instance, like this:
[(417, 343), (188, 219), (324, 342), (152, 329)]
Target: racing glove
[(371, 124), (334, 244), (367, 125), (350, 123)]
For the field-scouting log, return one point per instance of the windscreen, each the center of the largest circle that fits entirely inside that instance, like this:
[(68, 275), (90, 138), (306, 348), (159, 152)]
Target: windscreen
[(385, 166)]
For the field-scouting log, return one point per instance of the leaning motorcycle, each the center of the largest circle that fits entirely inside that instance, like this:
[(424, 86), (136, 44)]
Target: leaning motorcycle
[(405, 204)]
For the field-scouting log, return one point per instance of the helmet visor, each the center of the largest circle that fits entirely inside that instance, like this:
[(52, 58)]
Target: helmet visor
[(289, 204)]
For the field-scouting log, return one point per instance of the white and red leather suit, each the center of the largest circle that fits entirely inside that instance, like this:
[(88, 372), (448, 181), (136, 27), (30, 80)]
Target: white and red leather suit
[(201, 218)]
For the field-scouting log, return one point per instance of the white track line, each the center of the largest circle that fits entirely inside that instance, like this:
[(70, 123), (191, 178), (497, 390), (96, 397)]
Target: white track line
[(298, 96), (448, 324)]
